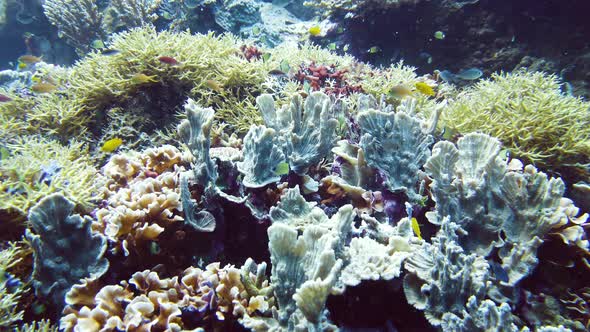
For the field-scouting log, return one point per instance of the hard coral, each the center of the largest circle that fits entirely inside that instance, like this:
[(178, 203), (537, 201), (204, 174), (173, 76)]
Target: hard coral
[(38, 167), (531, 117), (197, 298)]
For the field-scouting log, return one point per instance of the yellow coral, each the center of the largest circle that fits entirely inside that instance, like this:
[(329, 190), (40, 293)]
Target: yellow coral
[(38, 167), (531, 117)]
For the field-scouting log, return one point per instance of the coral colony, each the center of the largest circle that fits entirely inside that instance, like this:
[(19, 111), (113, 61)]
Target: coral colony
[(177, 181)]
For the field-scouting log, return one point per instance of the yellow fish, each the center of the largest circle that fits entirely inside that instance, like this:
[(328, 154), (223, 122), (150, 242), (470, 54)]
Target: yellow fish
[(425, 89), (111, 145), (211, 84), (29, 59), (282, 168), (43, 87), (315, 30), (416, 228), (141, 78), (400, 91)]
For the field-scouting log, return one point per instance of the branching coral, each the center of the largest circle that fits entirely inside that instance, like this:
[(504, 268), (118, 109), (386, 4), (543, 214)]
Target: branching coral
[(38, 167), (528, 113), (11, 289), (80, 22)]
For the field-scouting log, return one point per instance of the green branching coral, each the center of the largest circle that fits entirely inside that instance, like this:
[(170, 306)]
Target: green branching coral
[(9, 294), (209, 69), (531, 117), (38, 167)]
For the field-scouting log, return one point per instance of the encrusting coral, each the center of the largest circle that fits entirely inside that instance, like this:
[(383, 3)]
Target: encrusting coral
[(197, 298)]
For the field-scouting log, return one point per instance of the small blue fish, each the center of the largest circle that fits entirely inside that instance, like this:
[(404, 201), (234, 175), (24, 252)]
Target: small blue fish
[(499, 273), (469, 74)]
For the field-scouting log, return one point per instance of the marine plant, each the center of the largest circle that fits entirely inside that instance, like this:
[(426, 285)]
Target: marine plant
[(528, 113)]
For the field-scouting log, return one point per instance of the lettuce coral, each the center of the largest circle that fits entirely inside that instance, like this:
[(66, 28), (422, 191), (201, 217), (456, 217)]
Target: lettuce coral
[(499, 204), (396, 144), (306, 129), (66, 250)]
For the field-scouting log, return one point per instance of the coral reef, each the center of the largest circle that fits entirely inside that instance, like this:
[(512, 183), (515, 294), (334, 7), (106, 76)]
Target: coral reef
[(357, 202)]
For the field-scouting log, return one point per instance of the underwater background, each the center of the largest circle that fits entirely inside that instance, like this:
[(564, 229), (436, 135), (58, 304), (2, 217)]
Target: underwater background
[(251, 165)]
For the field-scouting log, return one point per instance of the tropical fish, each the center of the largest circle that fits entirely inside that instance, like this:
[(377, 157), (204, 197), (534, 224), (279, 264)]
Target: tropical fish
[(470, 74), (277, 72), (426, 56), (97, 44), (256, 30), (29, 59), (439, 35), (154, 248), (110, 51), (447, 76), (4, 153), (400, 91), (449, 133), (43, 87), (4, 98), (374, 49), (141, 78), (315, 30), (499, 272), (284, 66), (22, 66), (332, 46), (416, 228), (111, 145), (168, 60), (425, 89), (346, 47), (282, 168), (213, 85)]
